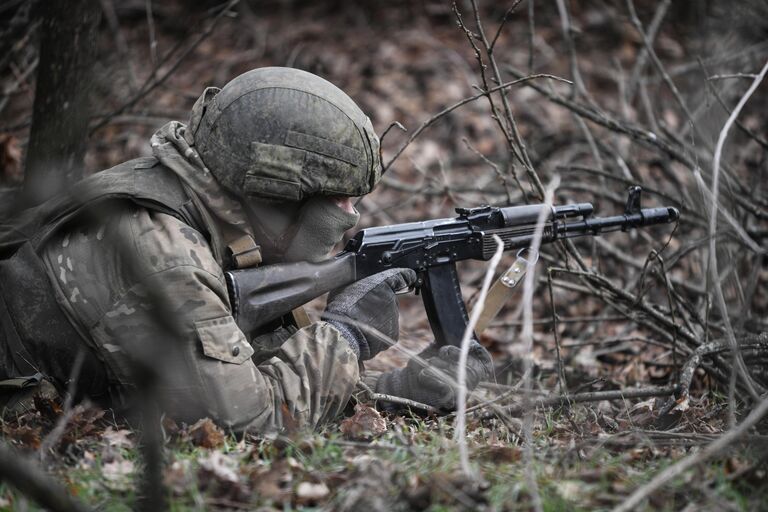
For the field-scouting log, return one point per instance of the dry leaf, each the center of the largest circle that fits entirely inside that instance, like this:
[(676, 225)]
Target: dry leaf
[(290, 423), (29, 437), (366, 424), (499, 454), (307, 492), (48, 409), (682, 404), (118, 438), (170, 427), (206, 434), (219, 477), (220, 466)]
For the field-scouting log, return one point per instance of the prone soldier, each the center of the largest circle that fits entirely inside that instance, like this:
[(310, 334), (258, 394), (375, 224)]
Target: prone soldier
[(127, 268)]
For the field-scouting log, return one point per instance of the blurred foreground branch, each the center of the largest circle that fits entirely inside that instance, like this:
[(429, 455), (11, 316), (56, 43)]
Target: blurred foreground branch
[(32, 481)]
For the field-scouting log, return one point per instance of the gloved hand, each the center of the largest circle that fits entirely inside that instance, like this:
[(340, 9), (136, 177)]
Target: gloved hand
[(433, 383), (366, 307)]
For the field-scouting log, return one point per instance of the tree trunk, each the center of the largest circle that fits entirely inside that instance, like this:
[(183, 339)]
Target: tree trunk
[(61, 109)]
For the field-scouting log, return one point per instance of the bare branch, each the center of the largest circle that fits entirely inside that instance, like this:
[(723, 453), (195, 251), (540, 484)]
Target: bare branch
[(737, 359)]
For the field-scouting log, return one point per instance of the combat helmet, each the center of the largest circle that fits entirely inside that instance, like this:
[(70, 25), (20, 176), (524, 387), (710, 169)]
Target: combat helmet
[(284, 134)]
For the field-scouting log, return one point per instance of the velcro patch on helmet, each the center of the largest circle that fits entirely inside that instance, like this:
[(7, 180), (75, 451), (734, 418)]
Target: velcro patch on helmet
[(323, 147), (275, 172), (288, 173)]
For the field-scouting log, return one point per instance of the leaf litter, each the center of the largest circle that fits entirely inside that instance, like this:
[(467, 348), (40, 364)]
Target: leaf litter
[(586, 455)]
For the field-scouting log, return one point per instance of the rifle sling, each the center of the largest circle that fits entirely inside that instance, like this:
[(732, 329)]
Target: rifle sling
[(301, 317), (503, 289)]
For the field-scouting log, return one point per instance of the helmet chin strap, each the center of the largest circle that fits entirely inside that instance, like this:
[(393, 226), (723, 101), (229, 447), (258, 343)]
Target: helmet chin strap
[(273, 225)]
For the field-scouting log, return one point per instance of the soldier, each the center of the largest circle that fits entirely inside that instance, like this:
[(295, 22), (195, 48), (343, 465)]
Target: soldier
[(262, 174)]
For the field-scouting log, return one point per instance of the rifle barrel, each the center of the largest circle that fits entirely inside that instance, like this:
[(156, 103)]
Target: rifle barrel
[(517, 235), (596, 225)]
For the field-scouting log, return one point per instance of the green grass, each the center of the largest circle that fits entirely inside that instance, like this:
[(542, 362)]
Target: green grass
[(421, 466)]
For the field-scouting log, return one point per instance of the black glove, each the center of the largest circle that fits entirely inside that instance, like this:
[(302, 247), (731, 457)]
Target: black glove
[(433, 383), (366, 307)]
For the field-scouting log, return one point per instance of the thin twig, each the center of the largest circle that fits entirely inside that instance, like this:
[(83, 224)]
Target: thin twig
[(558, 349), (527, 338), (593, 396), (642, 58), (151, 29), (531, 33), (512, 134), (52, 439), (503, 22), (461, 395), (737, 359), (748, 131), (403, 401), (565, 23), (657, 62)]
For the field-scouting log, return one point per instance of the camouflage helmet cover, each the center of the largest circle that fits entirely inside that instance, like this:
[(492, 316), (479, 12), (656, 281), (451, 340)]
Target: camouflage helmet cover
[(286, 134)]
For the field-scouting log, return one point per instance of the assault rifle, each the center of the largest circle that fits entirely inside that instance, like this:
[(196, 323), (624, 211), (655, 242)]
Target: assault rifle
[(431, 248)]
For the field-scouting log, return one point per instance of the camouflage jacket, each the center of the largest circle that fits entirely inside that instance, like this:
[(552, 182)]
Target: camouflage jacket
[(146, 290)]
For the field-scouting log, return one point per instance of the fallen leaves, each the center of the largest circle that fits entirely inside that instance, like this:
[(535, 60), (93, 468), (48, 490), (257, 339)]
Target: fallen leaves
[(28, 437), (205, 434), (369, 486), (118, 438), (219, 476), (219, 466), (365, 425)]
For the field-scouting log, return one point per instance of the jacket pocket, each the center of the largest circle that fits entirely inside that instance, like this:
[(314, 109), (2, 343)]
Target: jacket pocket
[(223, 340)]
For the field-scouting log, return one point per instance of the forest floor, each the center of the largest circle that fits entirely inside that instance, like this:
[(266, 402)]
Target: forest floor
[(406, 62), (584, 458)]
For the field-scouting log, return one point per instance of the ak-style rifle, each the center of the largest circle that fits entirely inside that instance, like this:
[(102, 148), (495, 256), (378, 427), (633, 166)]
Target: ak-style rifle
[(431, 248)]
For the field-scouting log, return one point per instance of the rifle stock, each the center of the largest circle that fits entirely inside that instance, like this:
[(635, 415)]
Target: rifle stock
[(261, 295)]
